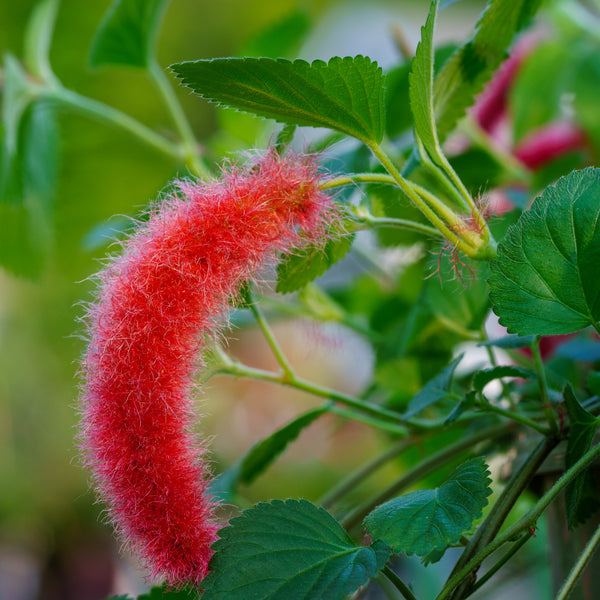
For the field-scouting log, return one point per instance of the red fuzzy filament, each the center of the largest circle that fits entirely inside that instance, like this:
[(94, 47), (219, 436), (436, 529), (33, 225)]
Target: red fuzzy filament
[(156, 304)]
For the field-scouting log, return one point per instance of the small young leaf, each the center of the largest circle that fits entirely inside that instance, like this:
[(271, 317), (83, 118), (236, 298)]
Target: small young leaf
[(290, 549), (465, 74), (544, 280), (483, 377), (583, 426), (465, 404), (262, 454), (126, 35), (345, 94), (436, 389), (297, 269), (421, 89), (427, 521)]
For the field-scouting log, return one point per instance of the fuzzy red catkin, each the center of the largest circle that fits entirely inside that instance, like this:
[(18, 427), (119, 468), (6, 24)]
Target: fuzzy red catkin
[(156, 304)]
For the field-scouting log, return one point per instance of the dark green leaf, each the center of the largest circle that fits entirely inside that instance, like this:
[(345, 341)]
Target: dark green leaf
[(594, 382), (465, 404), (261, 455), (303, 266), (280, 40), (544, 280), (421, 89), (285, 550), (427, 521), (465, 74), (127, 33), (483, 377), (164, 593), (345, 94), (511, 342), (436, 389), (583, 426), (38, 37)]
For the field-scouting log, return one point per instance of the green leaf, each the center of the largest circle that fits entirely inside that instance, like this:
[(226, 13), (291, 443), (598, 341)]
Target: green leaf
[(544, 280), (38, 37), (465, 404), (163, 592), (284, 550), (594, 382), (427, 521), (436, 389), (511, 342), (583, 426), (345, 94), (421, 89), (127, 33), (262, 454), (303, 266), (483, 377), (465, 74)]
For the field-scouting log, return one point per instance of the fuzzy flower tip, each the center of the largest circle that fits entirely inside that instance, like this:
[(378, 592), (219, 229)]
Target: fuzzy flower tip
[(155, 305)]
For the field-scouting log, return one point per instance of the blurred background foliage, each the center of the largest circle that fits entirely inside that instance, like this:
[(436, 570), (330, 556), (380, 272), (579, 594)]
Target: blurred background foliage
[(51, 539)]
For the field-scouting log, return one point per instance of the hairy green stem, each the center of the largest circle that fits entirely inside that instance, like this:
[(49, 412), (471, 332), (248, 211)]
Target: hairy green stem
[(189, 142), (424, 468), (500, 510), (525, 523), (579, 566), (488, 407)]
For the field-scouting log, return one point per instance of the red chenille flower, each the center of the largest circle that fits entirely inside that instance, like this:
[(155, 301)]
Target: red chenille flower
[(157, 302)]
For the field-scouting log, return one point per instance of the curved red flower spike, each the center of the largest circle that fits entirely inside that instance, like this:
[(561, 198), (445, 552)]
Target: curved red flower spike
[(156, 304)]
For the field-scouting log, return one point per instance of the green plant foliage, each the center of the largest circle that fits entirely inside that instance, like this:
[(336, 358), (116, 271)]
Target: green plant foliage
[(265, 452), (427, 521), (127, 33), (435, 390), (483, 377), (421, 89), (345, 94), (583, 426), (303, 266), (292, 549), (38, 37), (511, 342), (544, 280), (472, 65)]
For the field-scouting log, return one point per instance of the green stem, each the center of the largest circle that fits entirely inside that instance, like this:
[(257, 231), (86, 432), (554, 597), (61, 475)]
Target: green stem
[(112, 116), (240, 370), (288, 371), (488, 407), (539, 366), (500, 510), (355, 178), (507, 556), (371, 422), (398, 583), (372, 221), (363, 472), (424, 468), (189, 142), (579, 566), (525, 523)]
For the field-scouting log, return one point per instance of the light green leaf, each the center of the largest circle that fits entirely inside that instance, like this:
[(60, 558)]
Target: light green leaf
[(127, 33), (583, 426), (436, 389), (345, 94), (465, 74), (38, 37), (421, 89), (284, 550), (428, 521), (545, 278), (303, 266), (265, 452), (483, 377)]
